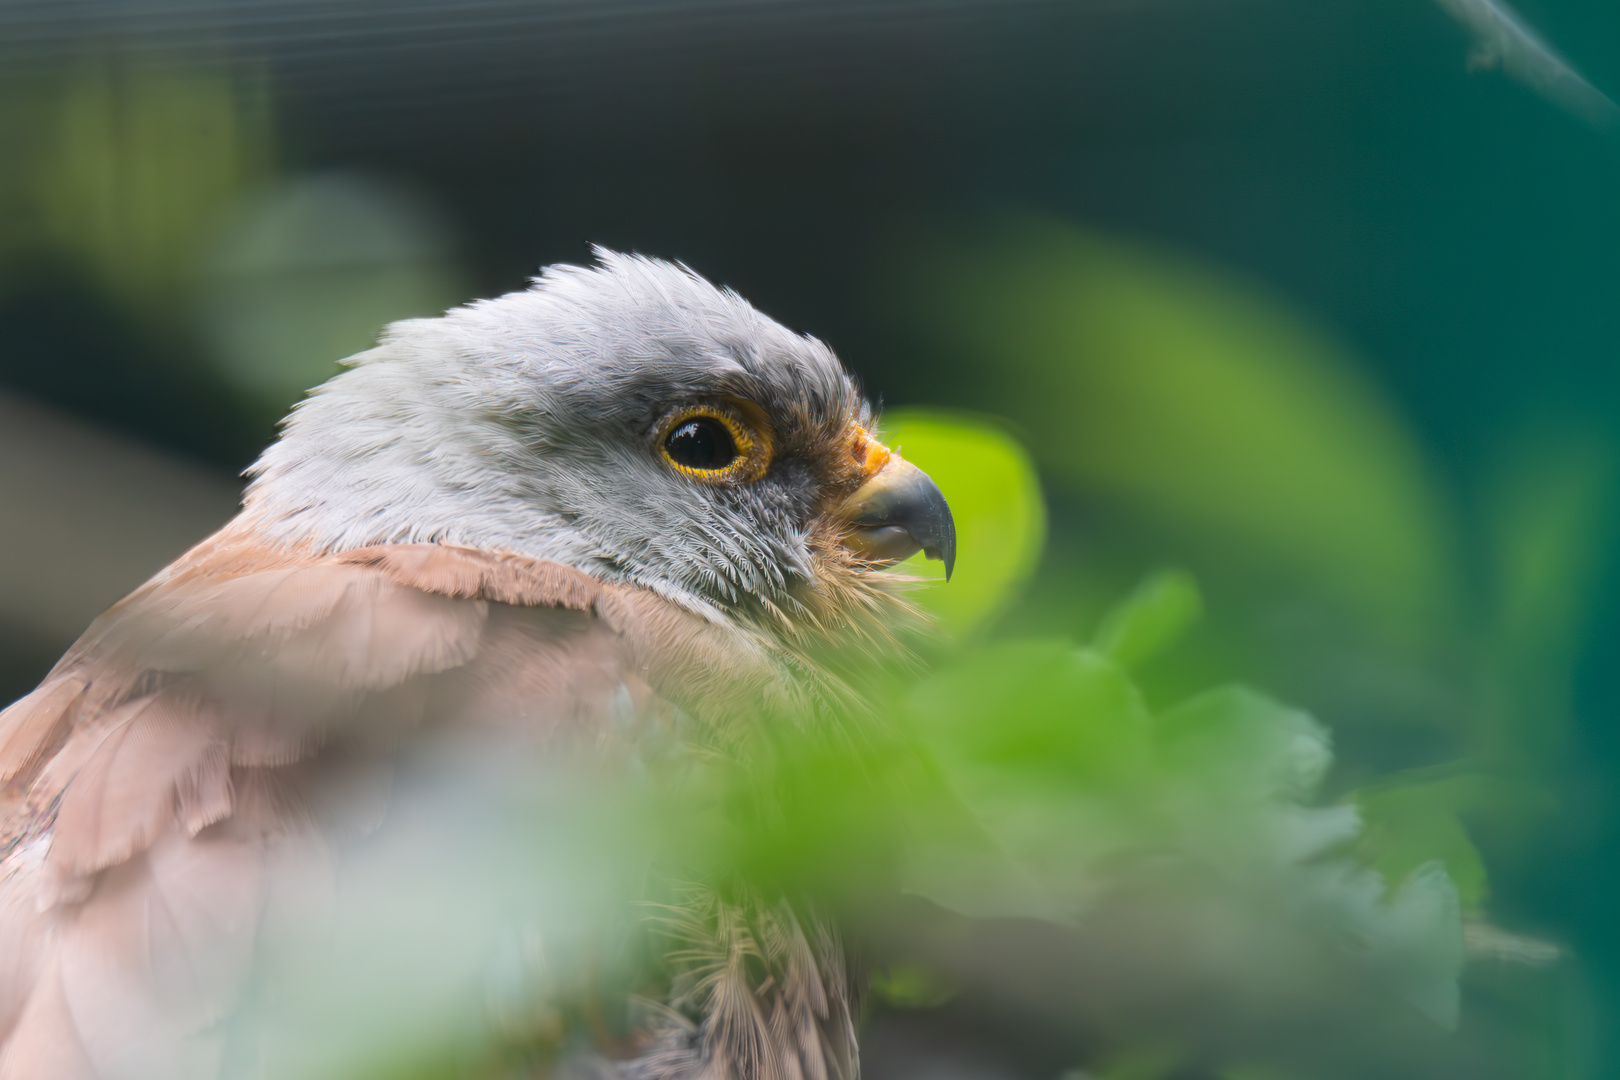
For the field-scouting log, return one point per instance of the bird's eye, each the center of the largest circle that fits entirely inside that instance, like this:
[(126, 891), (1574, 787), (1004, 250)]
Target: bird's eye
[(713, 444), (701, 443)]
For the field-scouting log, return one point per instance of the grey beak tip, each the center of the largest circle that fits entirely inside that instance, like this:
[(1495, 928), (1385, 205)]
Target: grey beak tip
[(943, 546), (945, 551), (911, 507)]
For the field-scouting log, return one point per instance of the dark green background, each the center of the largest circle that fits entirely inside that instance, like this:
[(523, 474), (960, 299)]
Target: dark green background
[(1460, 234)]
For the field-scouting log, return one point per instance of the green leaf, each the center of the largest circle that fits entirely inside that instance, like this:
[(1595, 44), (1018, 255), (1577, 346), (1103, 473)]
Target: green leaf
[(1151, 619), (1048, 750), (1422, 942), (1241, 741), (1410, 822), (1197, 401), (141, 164), (1042, 708), (995, 498)]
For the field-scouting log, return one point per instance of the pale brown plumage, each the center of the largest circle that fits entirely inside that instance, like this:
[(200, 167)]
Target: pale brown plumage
[(171, 729), (479, 535)]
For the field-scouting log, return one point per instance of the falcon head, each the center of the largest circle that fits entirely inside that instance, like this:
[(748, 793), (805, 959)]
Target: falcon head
[(628, 419)]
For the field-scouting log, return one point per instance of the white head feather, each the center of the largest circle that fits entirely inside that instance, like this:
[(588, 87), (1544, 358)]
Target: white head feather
[(527, 423)]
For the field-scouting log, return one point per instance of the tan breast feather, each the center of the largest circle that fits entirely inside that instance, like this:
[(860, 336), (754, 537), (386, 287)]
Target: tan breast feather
[(246, 696)]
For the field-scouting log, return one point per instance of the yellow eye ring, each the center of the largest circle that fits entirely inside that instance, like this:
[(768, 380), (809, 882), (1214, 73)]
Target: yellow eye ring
[(712, 444)]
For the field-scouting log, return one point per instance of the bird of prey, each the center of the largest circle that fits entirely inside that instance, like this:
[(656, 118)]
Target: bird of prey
[(618, 499)]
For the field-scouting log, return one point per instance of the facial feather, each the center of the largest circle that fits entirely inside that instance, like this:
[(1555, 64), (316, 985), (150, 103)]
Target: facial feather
[(530, 423)]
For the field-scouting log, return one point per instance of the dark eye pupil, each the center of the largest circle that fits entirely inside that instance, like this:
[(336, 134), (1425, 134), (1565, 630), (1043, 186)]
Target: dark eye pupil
[(701, 443)]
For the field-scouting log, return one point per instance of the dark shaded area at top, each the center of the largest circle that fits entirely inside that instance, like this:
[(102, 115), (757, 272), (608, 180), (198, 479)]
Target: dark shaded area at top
[(1460, 233), (1458, 230)]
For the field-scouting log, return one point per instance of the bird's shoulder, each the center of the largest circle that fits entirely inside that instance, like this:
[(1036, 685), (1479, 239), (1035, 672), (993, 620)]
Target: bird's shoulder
[(244, 711), (242, 658)]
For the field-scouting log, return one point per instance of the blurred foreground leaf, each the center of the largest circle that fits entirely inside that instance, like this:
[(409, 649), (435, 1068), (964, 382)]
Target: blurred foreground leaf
[(1152, 619), (1415, 817), (995, 500), (134, 166), (1175, 865), (1195, 398), (1550, 520), (308, 272), (1077, 791)]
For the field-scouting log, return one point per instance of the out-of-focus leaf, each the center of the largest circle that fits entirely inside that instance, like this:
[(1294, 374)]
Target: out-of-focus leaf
[(308, 272), (1151, 619), (1185, 393), (1256, 1072), (995, 499), (1246, 743), (1143, 1063), (1048, 747), (1240, 768), (1056, 714), (1071, 785), (498, 883), (1410, 823), (1550, 521), (912, 986), (1422, 942), (138, 166)]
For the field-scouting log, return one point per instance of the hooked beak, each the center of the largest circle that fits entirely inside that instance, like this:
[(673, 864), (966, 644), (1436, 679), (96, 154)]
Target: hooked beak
[(899, 512)]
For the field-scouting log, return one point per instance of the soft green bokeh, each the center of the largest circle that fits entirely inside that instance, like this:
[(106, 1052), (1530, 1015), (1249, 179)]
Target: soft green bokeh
[(157, 183), (1182, 393), (1079, 790), (1033, 776), (1026, 781), (1161, 609), (1550, 521), (131, 168), (307, 273), (995, 497), (1409, 822)]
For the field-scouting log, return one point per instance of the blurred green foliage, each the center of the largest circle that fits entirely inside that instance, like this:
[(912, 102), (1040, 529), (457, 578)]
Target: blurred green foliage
[(1163, 607), (1414, 819), (1163, 839), (307, 271), (161, 185), (1190, 396), (1549, 522), (995, 499), (1178, 398), (1026, 781), (128, 168)]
